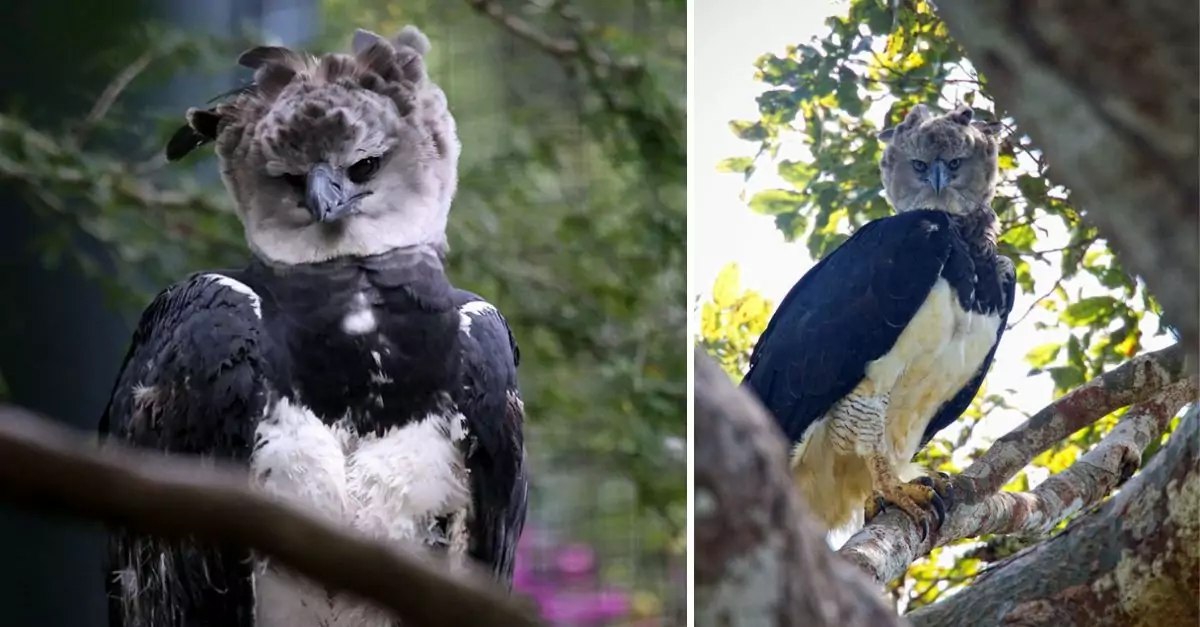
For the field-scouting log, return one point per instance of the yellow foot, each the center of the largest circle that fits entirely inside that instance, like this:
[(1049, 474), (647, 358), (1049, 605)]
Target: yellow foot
[(925, 500)]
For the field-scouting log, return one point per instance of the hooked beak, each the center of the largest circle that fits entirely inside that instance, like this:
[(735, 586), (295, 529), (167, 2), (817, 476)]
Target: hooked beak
[(938, 176), (327, 195)]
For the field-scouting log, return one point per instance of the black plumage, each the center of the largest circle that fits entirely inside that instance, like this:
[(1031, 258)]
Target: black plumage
[(209, 358), (851, 307)]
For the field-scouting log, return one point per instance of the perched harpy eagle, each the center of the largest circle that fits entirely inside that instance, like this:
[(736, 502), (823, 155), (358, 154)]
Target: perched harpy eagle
[(341, 367), (886, 340)]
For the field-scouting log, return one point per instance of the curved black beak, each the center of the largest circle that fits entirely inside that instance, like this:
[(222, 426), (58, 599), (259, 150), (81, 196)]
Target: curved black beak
[(938, 176), (327, 193)]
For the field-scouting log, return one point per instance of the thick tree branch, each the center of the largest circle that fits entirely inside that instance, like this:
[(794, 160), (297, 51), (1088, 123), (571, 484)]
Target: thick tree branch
[(1135, 561), (54, 469), (1131, 382), (1092, 477), (1109, 93), (886, 547), (759, 558)]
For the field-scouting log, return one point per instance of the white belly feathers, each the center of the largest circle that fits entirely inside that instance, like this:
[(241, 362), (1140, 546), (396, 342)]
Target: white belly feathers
[(391, 487), (939, 351)]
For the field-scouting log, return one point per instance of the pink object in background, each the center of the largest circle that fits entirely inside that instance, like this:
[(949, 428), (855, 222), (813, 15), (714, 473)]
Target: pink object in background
[(566, 588)]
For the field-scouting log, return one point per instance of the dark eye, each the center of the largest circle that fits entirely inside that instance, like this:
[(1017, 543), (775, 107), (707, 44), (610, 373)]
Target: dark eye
[(954, 163), (295, 180), (362, 171), (919, 166)]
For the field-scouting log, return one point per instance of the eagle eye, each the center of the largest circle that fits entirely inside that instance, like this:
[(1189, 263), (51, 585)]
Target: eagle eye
[(954, 163), (295, 180), (919, 166), (363, 170)]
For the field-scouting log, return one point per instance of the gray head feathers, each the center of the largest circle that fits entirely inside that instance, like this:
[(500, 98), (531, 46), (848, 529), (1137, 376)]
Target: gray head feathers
[(408, 37), (946, 162), (368, 124)]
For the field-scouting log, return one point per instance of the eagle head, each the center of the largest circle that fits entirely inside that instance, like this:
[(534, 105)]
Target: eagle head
[(339, 155), (946, 162)]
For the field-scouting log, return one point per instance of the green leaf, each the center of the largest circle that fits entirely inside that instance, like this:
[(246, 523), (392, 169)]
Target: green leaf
[(1042, 355), (1075, 352), (1032, 187), (792, 225), (848, 98), (1088, 310), (1066, 377), (748, 130), (1021, 237), (797, 173), (726, 286), (776, 201), (737, 165)]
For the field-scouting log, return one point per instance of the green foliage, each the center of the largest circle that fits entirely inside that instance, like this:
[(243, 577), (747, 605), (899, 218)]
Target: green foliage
[(830, 97), (732, 321)]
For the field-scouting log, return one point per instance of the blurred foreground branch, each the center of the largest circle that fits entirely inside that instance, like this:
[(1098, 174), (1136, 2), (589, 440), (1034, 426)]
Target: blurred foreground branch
[(1156, 381), (759, 557), (1109, 93), (51, 468)]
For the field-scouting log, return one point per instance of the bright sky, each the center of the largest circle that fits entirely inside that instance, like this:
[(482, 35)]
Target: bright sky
[(729, 36)]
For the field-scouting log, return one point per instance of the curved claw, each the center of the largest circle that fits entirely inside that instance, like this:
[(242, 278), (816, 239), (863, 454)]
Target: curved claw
[(943, 494), (926, 500)]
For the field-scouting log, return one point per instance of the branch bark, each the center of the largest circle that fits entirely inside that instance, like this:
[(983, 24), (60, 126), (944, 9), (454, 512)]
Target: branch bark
[(1132, 382), (759, 559), (1133, 562), (1109, 93), (54, 469), (885, 548)]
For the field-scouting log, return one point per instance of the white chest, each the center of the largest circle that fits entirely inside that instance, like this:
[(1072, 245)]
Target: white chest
[(391, 487), (939, 351)]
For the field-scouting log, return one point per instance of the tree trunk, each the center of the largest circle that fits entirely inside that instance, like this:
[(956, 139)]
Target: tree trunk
[(759, 557), (1133, 562), (1108, 91)]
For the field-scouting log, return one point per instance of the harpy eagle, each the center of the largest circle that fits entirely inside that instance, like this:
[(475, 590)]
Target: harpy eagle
[(341, 367), (886, 340)]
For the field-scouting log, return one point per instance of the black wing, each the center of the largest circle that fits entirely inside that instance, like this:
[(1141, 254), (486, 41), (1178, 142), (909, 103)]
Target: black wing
[(847, 311), (192, 383), (491, 402), (953, 408)]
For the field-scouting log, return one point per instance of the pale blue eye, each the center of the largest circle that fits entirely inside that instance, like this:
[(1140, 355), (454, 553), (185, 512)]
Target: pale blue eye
[(919, 166)]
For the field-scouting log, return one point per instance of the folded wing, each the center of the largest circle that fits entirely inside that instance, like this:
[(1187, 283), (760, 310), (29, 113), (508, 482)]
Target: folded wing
[(193, 382)]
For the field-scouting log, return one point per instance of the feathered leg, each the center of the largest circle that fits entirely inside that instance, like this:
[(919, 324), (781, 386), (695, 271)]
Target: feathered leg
[(858, 423)]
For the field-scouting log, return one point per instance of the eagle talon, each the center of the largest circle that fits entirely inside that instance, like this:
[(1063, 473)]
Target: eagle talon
[(925, 500), (943, 494), (874, 507)]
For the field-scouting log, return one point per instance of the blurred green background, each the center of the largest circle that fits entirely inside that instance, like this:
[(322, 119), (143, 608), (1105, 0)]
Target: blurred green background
[(570, 217)]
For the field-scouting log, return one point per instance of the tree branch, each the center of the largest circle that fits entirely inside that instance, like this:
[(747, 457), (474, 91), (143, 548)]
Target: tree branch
[(759, 559), (1134, 561), (1131, 382), (1108, 91), (119, 84), (562, 48), (1092, 477), (890, 543), (1037, 301), (51, 468)]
